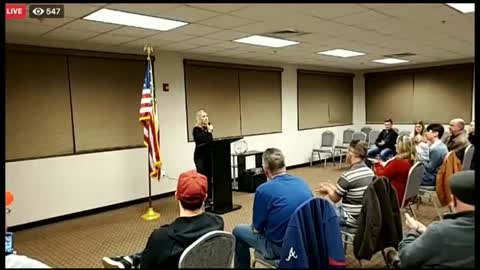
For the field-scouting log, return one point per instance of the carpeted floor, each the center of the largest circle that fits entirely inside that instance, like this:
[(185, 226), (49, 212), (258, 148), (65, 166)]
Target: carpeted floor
[(82, 242)]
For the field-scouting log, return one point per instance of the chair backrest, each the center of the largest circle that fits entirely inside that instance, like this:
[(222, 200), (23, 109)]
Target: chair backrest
[(415, 176), (214, 249), (328, 139), (360, 135), (366, 130), (467, 158), (317, 221), (373, 136), (406, 133), (347, 135), (445, 136), (396, 130)]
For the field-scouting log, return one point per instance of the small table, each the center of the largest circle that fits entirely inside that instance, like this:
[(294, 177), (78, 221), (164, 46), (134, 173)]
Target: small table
[(238, 161)]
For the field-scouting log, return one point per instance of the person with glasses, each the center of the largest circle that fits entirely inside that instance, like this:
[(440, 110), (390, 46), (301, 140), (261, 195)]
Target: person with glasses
[(396, 169), (12, 259)]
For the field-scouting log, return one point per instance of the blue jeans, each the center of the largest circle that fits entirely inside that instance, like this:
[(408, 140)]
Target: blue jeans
[(245, 238), (385, 153)]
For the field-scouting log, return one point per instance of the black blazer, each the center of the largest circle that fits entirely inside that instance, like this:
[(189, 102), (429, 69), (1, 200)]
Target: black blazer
[(201, 136)]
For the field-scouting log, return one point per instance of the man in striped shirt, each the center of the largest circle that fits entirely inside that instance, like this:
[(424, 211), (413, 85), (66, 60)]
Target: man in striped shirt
[(350, 186)]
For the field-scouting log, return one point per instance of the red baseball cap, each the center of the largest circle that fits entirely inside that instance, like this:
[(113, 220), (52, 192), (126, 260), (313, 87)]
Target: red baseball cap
[(192, 187), (8, 198)]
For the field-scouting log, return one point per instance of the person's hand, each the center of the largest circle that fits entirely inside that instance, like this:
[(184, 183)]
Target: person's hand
[(381, 143), (210, 128), (373, 160), (414, 224), (324, 189)]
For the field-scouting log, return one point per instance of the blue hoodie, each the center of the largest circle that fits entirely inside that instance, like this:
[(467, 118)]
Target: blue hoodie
[(313, 239)]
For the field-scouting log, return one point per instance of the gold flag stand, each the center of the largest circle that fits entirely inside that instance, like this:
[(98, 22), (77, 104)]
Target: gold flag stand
[(150, 214)]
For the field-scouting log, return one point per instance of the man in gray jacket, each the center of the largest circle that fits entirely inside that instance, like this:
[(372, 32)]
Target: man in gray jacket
[(448, 243)]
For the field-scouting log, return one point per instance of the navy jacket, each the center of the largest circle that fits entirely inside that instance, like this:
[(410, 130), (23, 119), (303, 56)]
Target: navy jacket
[(312, 239)]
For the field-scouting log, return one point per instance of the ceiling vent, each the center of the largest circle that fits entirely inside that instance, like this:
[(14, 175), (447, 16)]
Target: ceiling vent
[(399, 55), (286, 33)]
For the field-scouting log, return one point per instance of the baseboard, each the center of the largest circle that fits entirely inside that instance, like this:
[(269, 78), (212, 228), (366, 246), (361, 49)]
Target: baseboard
[(85, 213)]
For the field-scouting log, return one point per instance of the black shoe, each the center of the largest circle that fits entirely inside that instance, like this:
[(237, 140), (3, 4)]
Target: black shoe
[(124, 262)]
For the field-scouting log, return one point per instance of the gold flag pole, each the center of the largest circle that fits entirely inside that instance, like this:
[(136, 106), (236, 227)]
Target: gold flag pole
[(150, 214)]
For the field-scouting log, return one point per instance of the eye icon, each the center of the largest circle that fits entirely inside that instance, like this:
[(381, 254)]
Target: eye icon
[(38, 11)]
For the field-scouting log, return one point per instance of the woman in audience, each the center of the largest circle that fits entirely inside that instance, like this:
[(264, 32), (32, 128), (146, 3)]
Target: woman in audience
[(396, 169), (419, 131)]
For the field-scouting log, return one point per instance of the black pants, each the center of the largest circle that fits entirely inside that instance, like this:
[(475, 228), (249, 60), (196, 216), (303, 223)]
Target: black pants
[(204, 167)]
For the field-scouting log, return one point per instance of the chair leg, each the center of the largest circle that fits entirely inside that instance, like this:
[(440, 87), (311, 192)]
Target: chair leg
[(311, 160), (433, 198), (411, 210), (324, 161), (341, 157)]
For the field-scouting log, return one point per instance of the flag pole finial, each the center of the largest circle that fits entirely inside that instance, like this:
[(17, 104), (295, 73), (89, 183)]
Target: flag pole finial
[(148, 49)]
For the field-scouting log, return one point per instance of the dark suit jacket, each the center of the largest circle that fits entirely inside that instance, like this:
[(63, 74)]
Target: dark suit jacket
[(389, 137)]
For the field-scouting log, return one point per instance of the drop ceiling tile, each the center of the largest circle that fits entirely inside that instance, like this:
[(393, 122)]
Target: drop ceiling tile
[(202, 41), (140, 43), (48, 22), (204, 49), (358, 18), (111, 39), (179, 46), (223, 8), (196, 29), (69, 35), (187, 14), (267, 12), (227, 35), (173, 36), (98, 27), (258, 28), (227, 21), (330, 11), (13, 27), (146, 9), (133, 31), (79, 10), (228, 44)]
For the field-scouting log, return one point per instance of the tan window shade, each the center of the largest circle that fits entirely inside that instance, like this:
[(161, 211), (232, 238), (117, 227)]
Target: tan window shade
[(324, 99), (215, 90), (340, 100), (38, 117), (106, 97), (442, 94), (389, 95), (261, 101)]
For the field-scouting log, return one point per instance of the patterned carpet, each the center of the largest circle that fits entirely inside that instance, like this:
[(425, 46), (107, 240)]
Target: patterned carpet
[(82, 242)]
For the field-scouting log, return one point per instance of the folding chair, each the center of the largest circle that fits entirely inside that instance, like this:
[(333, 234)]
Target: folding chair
[(214, 249), (327, 147)]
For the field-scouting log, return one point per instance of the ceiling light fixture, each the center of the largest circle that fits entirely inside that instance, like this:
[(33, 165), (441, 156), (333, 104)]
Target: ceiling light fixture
[(341, 53), (464, 8), (132, 19), (390, 61), (266, 41)]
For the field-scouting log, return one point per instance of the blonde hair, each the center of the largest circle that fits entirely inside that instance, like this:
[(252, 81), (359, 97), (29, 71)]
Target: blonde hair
[(406, 148), (198, 117)]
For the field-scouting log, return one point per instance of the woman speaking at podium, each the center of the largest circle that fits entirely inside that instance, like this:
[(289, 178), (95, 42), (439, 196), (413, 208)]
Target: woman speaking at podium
[(202, 134)]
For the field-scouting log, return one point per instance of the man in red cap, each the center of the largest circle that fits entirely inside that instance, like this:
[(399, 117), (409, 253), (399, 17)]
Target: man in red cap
[(166, 244), (12, 260)]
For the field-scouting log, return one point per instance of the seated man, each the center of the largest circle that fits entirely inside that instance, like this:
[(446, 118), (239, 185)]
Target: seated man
[(385, 142), (458, 140), (437, 153), (166, 244), (274, 203), (350, 186), (12, 260), (449, 243)]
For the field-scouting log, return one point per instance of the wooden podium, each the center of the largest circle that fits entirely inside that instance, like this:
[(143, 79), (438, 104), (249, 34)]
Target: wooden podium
[(219, 150)]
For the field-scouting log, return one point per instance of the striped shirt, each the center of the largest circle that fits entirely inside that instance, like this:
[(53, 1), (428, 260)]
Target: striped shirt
[(351, 187)]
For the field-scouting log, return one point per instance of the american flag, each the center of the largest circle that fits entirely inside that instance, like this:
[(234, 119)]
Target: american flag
[(148, 118)]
